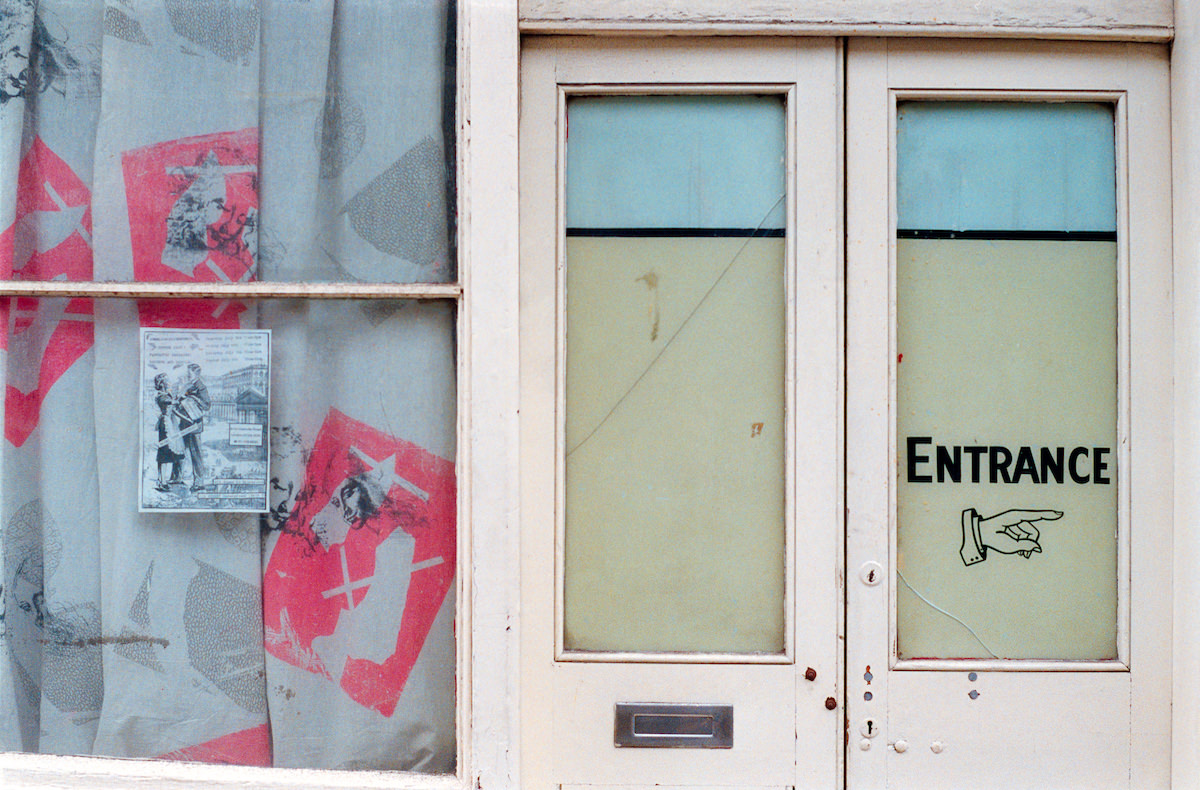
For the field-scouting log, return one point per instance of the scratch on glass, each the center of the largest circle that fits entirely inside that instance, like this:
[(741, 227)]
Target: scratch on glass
[(958, 620)]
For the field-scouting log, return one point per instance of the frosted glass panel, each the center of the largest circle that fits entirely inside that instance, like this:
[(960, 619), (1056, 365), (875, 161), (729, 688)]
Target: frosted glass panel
[(1007, 382), (674, 404), (1002, 165), (675, 162)]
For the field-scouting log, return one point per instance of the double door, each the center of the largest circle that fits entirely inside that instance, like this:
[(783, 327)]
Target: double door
[(845, 414)]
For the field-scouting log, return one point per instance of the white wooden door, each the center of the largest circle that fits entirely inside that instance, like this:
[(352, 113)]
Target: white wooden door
[(1017, 633), (972, 428), (641, 328)]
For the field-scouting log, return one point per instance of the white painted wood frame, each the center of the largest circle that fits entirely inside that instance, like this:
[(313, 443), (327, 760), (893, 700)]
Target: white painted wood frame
[(784, 733), (1185, 139), (1131, 20), (487, 477), (1055, 723)]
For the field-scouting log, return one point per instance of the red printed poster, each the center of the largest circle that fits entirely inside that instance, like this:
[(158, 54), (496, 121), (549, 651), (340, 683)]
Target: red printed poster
[(247, 747), (50, 239), (193, 216), (364, 561)]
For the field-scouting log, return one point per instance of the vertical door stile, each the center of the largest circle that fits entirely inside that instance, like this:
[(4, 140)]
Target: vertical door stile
[(868, 415)]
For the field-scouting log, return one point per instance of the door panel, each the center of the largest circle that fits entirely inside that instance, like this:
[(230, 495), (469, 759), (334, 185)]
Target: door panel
[(674, 434), (1018, 638), (680, 475), (1006, 380)]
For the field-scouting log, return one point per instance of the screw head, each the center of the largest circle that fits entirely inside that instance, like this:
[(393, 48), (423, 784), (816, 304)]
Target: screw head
[(864, 744), (830, 703), (810, 674), (936, 747), (900, 745)]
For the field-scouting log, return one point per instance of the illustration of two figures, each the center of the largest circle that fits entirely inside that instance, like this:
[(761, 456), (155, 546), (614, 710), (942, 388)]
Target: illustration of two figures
[(180, 421)]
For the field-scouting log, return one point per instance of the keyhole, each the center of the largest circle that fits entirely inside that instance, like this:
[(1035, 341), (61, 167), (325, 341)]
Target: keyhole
[(871, 576), (870, 728)]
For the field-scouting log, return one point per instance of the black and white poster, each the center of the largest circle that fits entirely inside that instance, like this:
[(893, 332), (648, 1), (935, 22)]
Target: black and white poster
[(205, 403)]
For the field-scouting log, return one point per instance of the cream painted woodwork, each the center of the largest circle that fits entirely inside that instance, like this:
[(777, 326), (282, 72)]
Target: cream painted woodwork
[(784, 733), (1147, 20), (1185, 163), (1034, 723)]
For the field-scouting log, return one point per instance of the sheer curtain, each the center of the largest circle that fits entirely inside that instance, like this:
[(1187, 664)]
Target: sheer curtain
[(214, 141)]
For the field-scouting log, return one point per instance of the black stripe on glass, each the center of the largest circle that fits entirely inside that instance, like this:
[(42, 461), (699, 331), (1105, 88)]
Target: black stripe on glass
[(1008, 235), (657, 233)]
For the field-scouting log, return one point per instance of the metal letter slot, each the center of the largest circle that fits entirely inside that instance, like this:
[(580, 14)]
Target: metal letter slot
[(690, 726)]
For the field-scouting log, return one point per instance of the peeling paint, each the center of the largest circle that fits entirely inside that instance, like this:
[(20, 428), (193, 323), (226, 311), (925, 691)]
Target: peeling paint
[(1099, 19)]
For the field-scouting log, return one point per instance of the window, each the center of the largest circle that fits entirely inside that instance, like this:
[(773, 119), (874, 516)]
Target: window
[(282, 288)]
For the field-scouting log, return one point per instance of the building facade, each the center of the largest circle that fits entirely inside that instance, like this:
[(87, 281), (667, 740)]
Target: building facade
[(847, 689)]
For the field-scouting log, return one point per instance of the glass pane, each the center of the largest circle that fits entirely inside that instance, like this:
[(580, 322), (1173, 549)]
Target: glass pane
[(1006, 289), (675, 374), (133, 159), (683, 162), (319, 633)]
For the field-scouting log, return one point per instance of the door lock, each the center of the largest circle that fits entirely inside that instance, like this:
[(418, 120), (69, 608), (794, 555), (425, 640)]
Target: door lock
[(871, 573)]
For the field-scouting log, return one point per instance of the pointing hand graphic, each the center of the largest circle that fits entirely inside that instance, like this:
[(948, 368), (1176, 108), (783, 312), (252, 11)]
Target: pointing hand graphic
[(1010, 532)]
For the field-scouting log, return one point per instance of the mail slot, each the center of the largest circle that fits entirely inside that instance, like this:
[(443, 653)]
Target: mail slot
[(678, 726)]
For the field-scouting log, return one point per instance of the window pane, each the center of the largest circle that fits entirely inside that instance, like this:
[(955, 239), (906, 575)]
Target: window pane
[(319, 633), (1006, 289), (675, 162), (675, 374), (227, 142)]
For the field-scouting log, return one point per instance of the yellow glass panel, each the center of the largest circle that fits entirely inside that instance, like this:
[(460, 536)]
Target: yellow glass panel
[(1006, 429), (675, 440)]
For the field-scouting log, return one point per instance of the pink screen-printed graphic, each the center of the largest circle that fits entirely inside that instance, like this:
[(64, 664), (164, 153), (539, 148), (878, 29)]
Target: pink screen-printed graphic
[(193, 216), (246, 747), (50, 239), (364, 561)]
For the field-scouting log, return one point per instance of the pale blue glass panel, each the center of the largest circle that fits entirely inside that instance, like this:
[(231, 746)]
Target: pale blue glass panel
[(1006, 166), (675, 162)]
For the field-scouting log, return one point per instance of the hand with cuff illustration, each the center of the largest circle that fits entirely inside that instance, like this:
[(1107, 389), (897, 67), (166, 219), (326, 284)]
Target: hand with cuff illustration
[(1010, 532)]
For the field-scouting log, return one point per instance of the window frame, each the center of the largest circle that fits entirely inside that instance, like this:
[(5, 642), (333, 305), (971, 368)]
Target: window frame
[(486, 299), (1118, 100)]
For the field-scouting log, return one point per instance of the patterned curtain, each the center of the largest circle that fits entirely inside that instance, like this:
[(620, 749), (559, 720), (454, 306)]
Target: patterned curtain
[(230, 141)]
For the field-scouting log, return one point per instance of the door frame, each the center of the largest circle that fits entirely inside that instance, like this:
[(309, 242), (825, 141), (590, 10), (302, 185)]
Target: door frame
[(1075, 70)]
